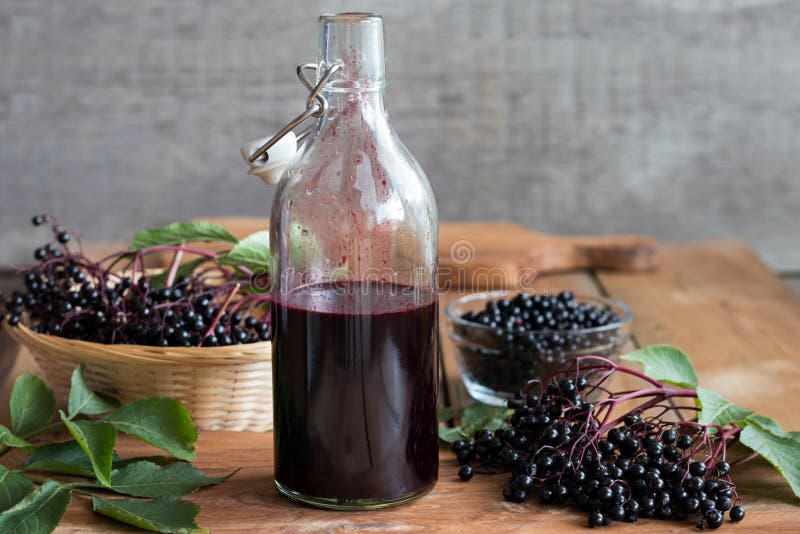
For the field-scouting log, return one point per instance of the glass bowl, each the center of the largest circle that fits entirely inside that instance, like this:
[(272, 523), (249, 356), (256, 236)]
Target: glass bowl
[(495, 363)]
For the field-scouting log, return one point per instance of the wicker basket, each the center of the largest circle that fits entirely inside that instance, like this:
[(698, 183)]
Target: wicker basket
[(224, 388)]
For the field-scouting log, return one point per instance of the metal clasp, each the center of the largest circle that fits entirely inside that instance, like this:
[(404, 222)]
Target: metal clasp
[(269, 156)]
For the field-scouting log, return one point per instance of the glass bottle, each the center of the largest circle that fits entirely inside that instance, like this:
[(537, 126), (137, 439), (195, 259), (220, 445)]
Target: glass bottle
[(355, 315)]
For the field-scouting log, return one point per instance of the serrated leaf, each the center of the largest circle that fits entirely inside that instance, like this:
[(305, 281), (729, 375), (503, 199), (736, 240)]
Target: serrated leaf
[(161, 515), (767, 424), (780, 451), (146, 479), (162, 422), (65, 458), (119, 464), (177, 233), (13, 488), (719, 410), (97, 439), (185, 269), (83, 400), (39, 512), (251, 252), (32, 405), (666, 364), (8, 438)]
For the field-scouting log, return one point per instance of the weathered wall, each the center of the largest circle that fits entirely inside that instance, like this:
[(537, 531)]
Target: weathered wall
[(678, 118)]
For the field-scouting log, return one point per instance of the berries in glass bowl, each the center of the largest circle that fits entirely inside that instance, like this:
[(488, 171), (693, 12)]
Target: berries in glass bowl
[(503, 339)]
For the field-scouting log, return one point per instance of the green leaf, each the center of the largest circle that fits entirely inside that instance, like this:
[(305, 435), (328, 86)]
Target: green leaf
[(119, 464), (146, 479), (66, 458), (177, 233), (8, 438), (84, 400), (32, 405), (666, 364), (449, 435), (251, 252), (445, 414), (39, 512), (97, 439), (780, 451), (13, 488), (162, 422), (473, 418), (184, 269), (767, 424), (719, 410), (161, 515)]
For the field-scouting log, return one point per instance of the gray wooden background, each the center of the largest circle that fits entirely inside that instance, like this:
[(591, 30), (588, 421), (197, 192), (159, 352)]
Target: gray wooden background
[(676, 118)]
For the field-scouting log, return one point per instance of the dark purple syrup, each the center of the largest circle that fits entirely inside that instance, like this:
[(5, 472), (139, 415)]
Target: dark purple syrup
[(355, 371)]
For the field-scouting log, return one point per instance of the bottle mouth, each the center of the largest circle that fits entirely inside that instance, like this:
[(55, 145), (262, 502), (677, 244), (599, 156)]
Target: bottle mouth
[(356, 41), (350, 17)]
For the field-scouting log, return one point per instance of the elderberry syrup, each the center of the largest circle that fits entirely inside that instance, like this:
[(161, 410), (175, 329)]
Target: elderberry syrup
[(355, 399), (353, 243)]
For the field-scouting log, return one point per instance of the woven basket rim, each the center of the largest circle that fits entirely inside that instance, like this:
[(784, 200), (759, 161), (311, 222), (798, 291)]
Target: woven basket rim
[(185, 356)]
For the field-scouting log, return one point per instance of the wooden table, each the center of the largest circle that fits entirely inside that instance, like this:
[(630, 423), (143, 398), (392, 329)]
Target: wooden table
[(716, 300)]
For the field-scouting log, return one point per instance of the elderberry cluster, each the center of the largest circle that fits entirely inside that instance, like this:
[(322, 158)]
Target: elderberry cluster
[(531, 335), (70, 296), (644, 467)]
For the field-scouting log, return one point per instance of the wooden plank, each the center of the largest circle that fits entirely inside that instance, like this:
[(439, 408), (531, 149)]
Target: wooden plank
[(249, 502), (730, 313)]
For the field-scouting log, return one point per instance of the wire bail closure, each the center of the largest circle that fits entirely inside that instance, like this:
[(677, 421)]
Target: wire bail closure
[(269, 156)]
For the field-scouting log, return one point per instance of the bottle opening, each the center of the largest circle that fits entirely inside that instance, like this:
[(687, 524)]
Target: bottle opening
[(351, 17), (357, 42)]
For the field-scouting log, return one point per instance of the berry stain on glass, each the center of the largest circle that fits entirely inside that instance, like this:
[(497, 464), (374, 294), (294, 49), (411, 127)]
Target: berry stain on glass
[(353, 234)]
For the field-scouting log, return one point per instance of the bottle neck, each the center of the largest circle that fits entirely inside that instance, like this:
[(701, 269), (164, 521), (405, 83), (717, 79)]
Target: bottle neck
[(363, 106)]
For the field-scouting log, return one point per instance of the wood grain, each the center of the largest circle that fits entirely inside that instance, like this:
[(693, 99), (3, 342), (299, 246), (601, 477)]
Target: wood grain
[(717, 300), (249, 502), (736, 319)]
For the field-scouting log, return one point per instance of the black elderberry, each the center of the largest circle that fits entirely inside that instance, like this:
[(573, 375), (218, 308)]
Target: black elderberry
[(654, 449), (671, 453), (459, 445), (713, 519), (684, 442), (692, 505), (596, 519), (617, 513), (545, 495), (631, 419), (647, 503), (722, 468), (669, 436), (465, 472), (711, 486), (63, 237), (736, 514), (693, 484), (697, 469), (707, 505), (723, 503), (605, 495)]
